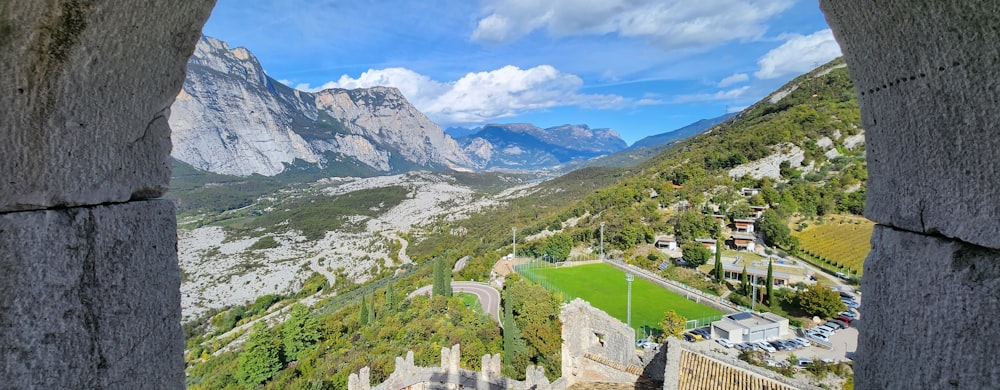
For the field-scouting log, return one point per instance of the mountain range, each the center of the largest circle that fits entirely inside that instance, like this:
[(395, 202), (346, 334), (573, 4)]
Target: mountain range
[(525, 146), (232, 118)]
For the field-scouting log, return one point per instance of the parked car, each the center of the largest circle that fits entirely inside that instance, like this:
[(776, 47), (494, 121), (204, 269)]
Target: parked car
[(843, 324), (777, 345), (846, 320), (704, 332), (802, 341), (833, 325), (767, 347), (819, 336), (849, 314), (844, 294), (825, 329), (724, 343), (805, 362), (689, 337), (797, 342)]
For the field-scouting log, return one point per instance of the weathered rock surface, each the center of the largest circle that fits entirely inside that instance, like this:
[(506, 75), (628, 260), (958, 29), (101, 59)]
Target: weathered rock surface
[(91, 298), (928, 93), (232, 118), (930, 319), (86, 91)]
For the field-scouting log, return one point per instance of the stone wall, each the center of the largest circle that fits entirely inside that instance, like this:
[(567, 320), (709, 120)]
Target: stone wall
[(590, 331), (926, 78), (89, 280), (450, 375)]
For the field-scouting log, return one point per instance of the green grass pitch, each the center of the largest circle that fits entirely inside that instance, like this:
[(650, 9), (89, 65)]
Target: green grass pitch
[(605, 288)]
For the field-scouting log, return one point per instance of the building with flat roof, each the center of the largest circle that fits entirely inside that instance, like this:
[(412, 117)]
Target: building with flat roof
[(749, 327)]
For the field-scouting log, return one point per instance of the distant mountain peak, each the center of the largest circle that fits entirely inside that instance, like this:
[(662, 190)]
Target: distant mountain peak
[(232, 118)]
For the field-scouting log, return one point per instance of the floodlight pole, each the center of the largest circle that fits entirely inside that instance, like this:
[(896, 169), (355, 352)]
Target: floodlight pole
[(753, 299), (628, 319), (602, 240), (514, 230)]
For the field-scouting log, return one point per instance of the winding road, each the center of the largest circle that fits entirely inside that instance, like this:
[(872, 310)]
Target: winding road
[(488, 296)]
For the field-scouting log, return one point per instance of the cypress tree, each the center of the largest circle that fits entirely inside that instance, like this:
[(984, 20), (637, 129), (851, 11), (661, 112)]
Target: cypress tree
[(447, 279), (745, 281), (718, 262), (770, 281), (372, 315), (390, 299), (439, 281), (363, 313)]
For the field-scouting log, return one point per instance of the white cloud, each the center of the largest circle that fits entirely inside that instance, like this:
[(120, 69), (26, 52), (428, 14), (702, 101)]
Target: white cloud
[(484, 96), (734, 79), (671, 24), (720, 95), (798, 54)]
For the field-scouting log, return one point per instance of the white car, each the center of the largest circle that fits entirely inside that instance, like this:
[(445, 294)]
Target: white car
[(724, 343), (818, 336), (802, 341), (767, 347)]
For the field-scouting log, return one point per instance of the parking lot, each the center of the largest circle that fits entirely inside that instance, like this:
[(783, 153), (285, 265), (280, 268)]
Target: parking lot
[(844, 343)]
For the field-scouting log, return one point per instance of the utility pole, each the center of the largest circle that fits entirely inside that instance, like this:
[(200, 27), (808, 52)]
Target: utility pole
[(753, 299), (514, 230), (628, 318), (602, 240)]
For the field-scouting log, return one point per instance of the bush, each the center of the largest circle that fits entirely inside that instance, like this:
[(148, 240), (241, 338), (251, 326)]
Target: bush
[(266, 242)]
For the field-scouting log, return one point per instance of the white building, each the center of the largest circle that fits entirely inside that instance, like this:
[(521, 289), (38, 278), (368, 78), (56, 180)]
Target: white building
[(666, 242), (749, 327)]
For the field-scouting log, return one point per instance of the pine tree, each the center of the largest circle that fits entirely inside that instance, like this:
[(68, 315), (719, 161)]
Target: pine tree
[(259, 360), (770, 282), (299, 333), (719, 275), (363, 313), (745, 281)]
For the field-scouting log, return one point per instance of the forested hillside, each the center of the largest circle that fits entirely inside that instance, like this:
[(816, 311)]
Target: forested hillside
[(801, 148)]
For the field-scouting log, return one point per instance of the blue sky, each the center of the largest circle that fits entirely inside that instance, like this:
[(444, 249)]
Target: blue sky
[(640, 67)]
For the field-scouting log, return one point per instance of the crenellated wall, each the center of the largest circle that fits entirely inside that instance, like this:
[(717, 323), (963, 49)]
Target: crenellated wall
[(89, 282), (926, 74)]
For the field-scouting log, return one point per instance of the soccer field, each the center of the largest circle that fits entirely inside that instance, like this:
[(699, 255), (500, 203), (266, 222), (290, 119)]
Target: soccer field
[(604, 287)]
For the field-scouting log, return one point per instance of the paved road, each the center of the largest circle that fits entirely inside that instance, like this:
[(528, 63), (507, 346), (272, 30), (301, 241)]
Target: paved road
[(488, 296)]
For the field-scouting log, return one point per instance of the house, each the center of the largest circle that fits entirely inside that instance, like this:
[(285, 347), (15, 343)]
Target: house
[(709, 243), (743, 242), (744, 225), (757, 211), (666, 242), (749, 191), (719, 218), (735, 271), (750, 327)]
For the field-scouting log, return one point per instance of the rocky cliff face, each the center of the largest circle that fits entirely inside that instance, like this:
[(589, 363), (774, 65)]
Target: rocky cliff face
[(232, 118), (525, 146)]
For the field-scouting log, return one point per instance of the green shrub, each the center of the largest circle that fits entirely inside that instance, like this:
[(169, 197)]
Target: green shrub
[(266, 242)]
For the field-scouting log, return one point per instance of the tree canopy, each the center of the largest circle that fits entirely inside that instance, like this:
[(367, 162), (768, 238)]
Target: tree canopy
[(695, 253), (820, 301), (672, 324)]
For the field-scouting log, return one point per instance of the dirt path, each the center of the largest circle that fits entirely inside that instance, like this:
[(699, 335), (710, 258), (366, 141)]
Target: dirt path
[(402, 250)]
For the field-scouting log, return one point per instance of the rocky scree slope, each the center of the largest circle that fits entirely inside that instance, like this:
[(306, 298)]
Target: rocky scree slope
[(231, 118)]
